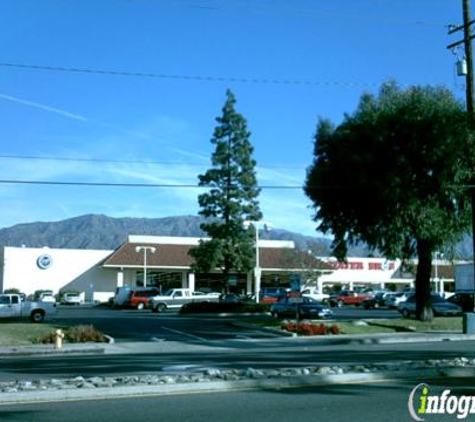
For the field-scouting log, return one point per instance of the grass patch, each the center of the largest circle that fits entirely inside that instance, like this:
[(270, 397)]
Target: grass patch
[(438, 324), (24, 333)]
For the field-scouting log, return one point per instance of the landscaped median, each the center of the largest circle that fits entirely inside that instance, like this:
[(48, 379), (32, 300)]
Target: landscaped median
[(370, 326)]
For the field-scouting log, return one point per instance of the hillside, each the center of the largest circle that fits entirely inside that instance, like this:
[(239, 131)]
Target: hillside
[(102, 232)]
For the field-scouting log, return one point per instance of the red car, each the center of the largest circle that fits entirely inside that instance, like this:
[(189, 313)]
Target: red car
[(348, 298), (139, 298)]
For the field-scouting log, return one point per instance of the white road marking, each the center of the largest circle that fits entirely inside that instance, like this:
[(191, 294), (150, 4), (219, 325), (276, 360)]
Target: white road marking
[(184, 334)]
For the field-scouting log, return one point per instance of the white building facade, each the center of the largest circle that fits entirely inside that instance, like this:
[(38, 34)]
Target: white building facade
[(97, 273)]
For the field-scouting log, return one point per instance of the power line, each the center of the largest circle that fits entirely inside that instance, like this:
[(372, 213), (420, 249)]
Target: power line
[(129, 185), (286, 12), (182, 185), (109, 72), (124, 161)]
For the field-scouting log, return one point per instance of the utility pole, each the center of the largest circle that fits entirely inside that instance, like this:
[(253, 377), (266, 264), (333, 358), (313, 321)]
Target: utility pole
[(469, 319)]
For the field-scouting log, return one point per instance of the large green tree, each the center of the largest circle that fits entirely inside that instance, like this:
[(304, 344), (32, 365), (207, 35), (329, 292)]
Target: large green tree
[(232, 198), (392, 175)]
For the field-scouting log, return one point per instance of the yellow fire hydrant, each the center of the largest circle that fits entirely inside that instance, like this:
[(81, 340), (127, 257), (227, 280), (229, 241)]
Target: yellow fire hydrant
[(58, 339)]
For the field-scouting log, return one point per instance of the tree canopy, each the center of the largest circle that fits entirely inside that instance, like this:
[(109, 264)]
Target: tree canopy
[(232, 197), (393, 175)]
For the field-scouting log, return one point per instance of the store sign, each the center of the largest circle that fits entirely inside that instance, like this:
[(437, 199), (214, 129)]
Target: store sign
[(44, 261), (359, 265)]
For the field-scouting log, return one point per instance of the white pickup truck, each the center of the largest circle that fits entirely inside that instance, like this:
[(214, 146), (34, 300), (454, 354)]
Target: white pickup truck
[(314, 293), (11, 306), (176, 298)]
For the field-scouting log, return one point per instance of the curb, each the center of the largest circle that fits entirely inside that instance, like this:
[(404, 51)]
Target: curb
[(383, 338), (212, 386), (26, 351)]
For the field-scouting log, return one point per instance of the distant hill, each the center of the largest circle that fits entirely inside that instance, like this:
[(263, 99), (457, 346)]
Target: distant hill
[(94, 231), (102, 232)]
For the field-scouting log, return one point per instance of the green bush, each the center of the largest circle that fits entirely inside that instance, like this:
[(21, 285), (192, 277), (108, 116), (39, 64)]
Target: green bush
[(76, 334), (12, 291), (217, 308)]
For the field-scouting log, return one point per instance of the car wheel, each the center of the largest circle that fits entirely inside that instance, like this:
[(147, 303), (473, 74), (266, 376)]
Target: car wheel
[(140, 306), (161, 307), (376, 306), (405, 313), (274, 314), (37, 316), (340, 303)]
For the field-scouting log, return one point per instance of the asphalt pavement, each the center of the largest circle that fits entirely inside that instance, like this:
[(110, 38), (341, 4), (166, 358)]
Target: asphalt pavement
[(224, 348)]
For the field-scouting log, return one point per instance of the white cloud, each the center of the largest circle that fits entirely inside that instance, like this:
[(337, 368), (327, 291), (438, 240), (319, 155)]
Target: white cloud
[(43, 107)]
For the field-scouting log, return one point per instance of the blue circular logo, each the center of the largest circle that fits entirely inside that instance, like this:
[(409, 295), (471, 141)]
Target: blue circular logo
[(44, 262)]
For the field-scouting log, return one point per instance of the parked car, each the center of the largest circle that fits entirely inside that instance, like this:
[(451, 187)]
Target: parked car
[(347, 297), (11, 306), (139, 299), (272, 294), (464, 300), (375, 301), (231, 298), (394, 299), (440, 306), (71, 298), (303, 307), (314, 293), (46, 296)]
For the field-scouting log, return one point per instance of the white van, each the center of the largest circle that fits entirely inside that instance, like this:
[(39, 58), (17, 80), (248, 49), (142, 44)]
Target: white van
[(121, 295)]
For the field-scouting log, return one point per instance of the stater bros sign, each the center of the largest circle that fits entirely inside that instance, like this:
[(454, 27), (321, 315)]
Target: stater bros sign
[(380, 265)]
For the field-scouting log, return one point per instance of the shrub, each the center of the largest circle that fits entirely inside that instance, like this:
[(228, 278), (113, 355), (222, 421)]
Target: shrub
[(76, 334), (307, 328), (12, 291), (288, 326)]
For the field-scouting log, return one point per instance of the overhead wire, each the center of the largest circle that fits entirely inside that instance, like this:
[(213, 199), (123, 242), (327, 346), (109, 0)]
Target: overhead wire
[(129, 185), (124, 161), (208, 78)]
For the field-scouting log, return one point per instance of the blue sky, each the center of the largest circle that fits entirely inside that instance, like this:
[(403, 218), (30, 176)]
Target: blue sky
[(288, 64)]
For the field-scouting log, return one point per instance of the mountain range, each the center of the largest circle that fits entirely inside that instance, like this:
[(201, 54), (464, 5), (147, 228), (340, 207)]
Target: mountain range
[(96, 231), (102, 232)]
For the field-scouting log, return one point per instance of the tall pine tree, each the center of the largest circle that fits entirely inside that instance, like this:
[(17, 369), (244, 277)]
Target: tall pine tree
[(231, 199)]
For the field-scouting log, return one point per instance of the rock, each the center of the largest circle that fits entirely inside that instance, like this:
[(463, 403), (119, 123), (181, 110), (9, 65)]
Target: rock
[(324, 370), (212, 372), (360, 323), (87, 385)]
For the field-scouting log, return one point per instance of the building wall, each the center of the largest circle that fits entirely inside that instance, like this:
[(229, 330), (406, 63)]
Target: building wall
[(31, 269)]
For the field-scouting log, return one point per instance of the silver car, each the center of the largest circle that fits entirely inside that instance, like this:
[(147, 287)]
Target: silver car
[(440, 306)]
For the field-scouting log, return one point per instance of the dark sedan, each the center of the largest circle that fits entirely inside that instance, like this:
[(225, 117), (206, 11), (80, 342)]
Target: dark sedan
[(301, 307), (440, 306), (465, 300), (374, 302)]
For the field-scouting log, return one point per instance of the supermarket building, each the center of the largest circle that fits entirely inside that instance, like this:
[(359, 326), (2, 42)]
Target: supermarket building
[(166, 262)]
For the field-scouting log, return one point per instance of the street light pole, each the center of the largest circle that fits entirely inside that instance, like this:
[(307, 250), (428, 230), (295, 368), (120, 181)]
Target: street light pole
[(138, 249), (257, 268)]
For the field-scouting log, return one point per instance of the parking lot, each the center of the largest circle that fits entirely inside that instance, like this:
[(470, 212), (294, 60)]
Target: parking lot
[(135, 325)]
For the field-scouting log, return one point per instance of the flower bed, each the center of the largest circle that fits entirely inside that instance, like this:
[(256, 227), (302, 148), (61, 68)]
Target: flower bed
[(307, 328)]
